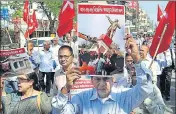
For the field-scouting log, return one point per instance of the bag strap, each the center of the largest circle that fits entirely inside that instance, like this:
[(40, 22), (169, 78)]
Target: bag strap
[(39, 101)]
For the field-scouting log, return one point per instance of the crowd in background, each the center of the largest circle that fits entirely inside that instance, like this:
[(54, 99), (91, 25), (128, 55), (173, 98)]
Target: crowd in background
[(49, 63)]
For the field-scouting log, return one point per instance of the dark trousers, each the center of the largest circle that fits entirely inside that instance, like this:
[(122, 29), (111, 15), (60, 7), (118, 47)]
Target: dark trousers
[(52, 77), (165, 81), (48, 81)]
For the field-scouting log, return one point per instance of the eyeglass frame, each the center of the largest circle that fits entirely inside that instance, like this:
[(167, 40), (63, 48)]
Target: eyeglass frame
[(21, 80), (65, 57)]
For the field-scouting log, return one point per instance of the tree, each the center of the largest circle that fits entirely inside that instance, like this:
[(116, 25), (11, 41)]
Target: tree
[(51, 9), (17, 9)]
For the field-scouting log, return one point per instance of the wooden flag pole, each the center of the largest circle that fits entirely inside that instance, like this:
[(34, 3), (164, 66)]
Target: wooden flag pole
[(165, 27), (28, 19), (9, 35)]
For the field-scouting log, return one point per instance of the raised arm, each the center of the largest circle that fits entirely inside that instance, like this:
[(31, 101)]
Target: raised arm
[(135, 96), (61, 102)]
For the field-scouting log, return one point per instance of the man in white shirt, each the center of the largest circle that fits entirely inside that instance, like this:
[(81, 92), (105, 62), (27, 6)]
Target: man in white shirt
[(154, 104), (65, 56), (45, 67), (54, 49)]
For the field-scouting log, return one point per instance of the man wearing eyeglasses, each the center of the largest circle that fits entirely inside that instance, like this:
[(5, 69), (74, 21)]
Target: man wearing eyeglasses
[(65, 56), (102, 99)]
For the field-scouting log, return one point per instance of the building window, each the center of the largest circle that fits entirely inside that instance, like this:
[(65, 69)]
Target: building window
[(21, 63), (15, 65), (40, 34)]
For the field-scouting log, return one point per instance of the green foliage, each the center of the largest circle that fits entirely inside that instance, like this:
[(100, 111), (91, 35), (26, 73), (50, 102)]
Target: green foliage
[(18, 9), (17, 14), (53, 6)]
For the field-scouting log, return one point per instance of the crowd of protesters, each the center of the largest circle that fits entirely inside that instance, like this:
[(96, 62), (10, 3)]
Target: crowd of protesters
[(108, 62), (142, 89)]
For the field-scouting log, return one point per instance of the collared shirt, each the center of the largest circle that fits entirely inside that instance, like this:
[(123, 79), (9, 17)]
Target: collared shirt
[(34, 59), (161, 63), (118, 102), (46, 61), (60, 78), (168, 58), (54, 49), (158, 67), (165, 60)]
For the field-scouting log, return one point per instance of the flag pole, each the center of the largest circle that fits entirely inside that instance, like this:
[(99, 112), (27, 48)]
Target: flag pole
[(37, 41), (9, 35), (28, 22), (165, 27)]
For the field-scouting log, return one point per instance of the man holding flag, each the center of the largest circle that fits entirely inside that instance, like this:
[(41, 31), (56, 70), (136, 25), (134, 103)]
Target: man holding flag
[(161, 42)]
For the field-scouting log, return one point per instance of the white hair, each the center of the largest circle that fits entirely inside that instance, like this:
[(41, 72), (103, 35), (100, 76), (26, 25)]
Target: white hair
[(46, 42)]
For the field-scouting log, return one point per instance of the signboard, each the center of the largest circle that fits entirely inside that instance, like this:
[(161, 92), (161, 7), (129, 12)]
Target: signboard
[(101, 37), (82, 84), (101, 42), (14, 61), (85, 83)]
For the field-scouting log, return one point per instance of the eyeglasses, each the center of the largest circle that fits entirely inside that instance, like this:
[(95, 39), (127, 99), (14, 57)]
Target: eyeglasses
[(98, 79), (21, 80), (64, 56)]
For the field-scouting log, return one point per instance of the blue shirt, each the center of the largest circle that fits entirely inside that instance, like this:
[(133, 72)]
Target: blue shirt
[(46, 61), (118, 102), (34, 59)]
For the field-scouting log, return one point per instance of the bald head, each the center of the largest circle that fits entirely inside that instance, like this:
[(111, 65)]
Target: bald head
[(46, 45)]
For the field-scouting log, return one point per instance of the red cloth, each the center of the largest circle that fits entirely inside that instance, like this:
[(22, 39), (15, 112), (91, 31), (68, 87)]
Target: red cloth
[(106, 40), (168, 18), (133, 5), (32, 25), (65, 18), (26, 11), (159, 14)]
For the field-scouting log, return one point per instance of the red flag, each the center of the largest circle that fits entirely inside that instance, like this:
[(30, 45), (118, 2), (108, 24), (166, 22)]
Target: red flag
[(169, 19), (159, 14), (35, 20), (65, 18), (32, 25), (26, 11), (132, 4), (62, 30)]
